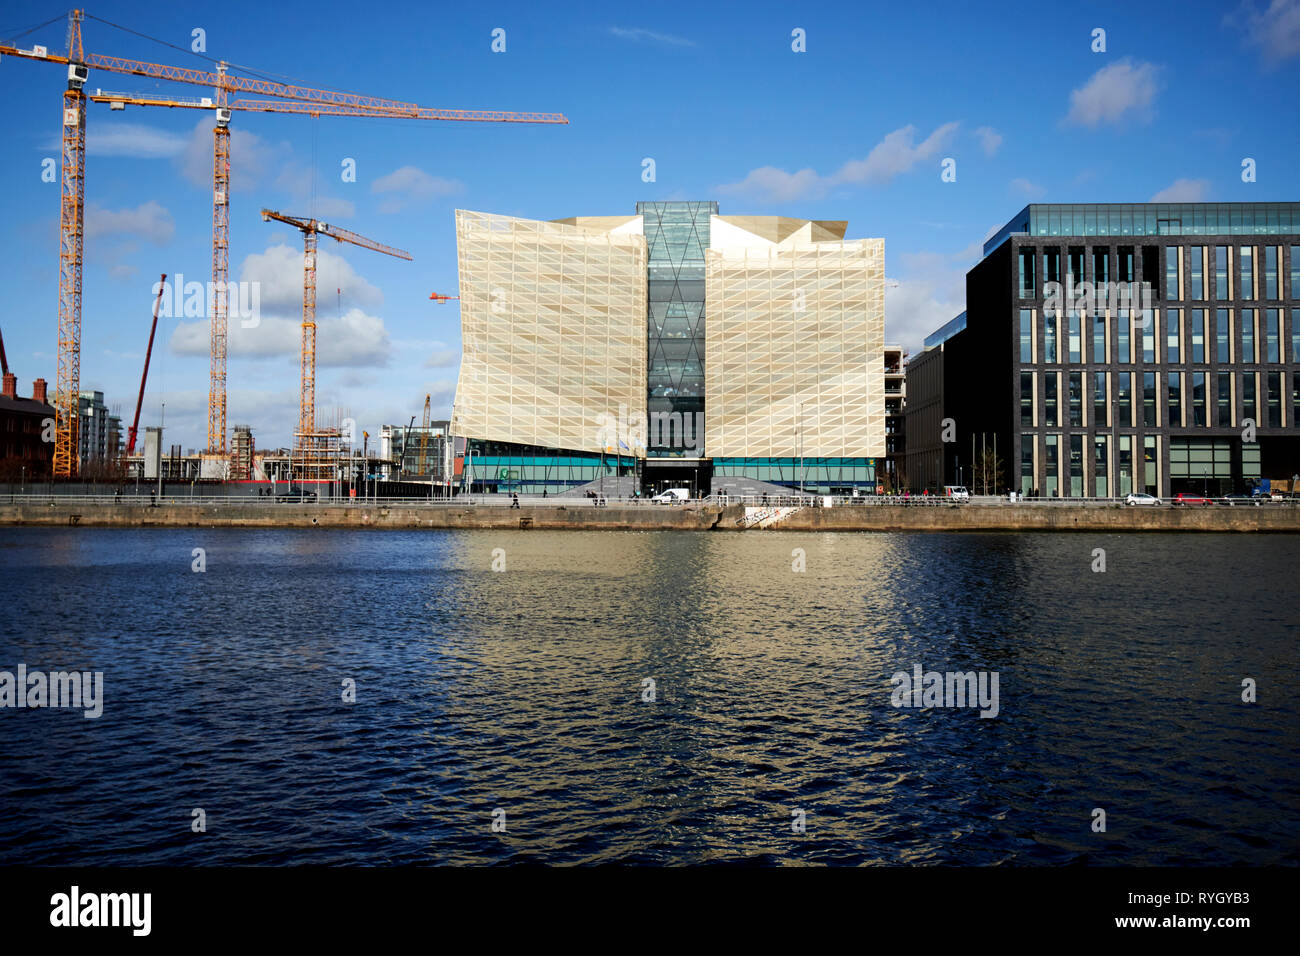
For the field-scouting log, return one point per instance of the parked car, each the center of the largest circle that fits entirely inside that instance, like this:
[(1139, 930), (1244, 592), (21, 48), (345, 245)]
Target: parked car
[(1189, 498), (956, 492), (1141, 498), (672, 496), (1240, 499), (297, 496)]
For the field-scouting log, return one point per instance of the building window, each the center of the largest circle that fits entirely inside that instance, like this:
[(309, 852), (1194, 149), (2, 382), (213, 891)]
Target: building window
[(1051, 264), (1295, 335), (1125, 397), (1173, 323), (1076, 265), (1247, 256), (1149, 399), (1274, 399), (1100, 265), (1099, 470), (1100, 404), (1295, 397), (1295, 272), (1223, 336), (1225, 399), (1027, 286), (1122, 325), (1148, 335), (1125, 465), (1173, 260), (1052, 456), (1272, 343), (1027, 399), (1026, 336), (1248, 336), (1076, 338), (1175, 399), (1076, 398), (1049, 337), (1099, 339), (1150, 462), (1198, 398), (1076, 466), (1198, 336), (1197, 272), (1049, 399), (1249, 409), (1270, 272), (1125, 271), (1221, 272), (1026, 464)]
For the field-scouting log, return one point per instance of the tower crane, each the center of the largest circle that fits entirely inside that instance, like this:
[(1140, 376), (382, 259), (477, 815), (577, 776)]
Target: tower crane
[(442, 298), (311, 228), (424, 438), (298, 99)]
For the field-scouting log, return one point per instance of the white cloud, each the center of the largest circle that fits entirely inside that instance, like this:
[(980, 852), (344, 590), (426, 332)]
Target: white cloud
[(278, 272), (1114, 92), (896, 153), (1183, 190), (990, 139), (1276, 30), (442, 356), (931, 290), (357, 338), (149, 220), (638, 34), (251, 157), (123, 272), (353, 340), (409, 185), (136, 140), (1027, 189), (776, 185)]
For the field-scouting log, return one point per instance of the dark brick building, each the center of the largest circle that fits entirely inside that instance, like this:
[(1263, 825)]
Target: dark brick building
[(23, 453), (1113, 348)]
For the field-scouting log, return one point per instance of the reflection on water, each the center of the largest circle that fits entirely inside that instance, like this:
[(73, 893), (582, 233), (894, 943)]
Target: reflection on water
[(522, 691)]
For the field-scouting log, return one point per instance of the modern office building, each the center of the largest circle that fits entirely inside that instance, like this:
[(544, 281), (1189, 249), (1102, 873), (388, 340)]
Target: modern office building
[(1111, 348), (672, 347), (100, 432)]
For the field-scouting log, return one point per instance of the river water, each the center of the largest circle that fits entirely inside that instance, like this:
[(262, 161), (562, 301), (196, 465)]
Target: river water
[(505, 715)]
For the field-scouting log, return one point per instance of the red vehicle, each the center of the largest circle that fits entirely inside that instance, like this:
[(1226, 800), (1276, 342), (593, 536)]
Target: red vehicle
[(1186, 498)]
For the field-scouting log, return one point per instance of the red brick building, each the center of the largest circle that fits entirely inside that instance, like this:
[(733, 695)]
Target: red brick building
[(23, 453)]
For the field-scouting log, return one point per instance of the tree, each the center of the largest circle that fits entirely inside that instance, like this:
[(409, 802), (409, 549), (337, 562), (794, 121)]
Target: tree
[(987, 473)]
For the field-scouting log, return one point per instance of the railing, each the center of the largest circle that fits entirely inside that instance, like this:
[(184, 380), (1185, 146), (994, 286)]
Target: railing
[(505, 501)]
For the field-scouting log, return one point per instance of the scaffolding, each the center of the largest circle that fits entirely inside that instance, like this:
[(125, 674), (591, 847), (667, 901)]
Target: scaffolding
[(241, 454), (319, 454)]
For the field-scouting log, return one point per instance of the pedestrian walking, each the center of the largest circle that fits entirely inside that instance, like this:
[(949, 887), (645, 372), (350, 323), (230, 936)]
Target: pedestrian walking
[(514, 501)]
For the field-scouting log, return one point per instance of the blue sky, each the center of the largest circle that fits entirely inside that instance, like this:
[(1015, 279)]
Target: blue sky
[(856, 127)]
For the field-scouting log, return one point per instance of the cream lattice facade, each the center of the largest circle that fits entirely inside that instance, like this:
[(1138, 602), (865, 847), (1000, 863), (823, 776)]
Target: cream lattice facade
[(793, 359), (553, 320)]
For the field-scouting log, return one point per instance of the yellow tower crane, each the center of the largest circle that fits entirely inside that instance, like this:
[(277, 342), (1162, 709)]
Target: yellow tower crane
[(309, 440), (296, 99)]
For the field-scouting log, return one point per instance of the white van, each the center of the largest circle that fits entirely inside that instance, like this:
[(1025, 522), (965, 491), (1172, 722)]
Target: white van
[(672, 496), (956, 492)]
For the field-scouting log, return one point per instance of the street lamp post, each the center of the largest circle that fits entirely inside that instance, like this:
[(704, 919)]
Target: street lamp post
[(162, 418), (801, 468)]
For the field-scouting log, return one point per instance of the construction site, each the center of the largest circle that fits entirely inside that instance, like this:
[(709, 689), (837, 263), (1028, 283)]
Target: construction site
[(72, 443)]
